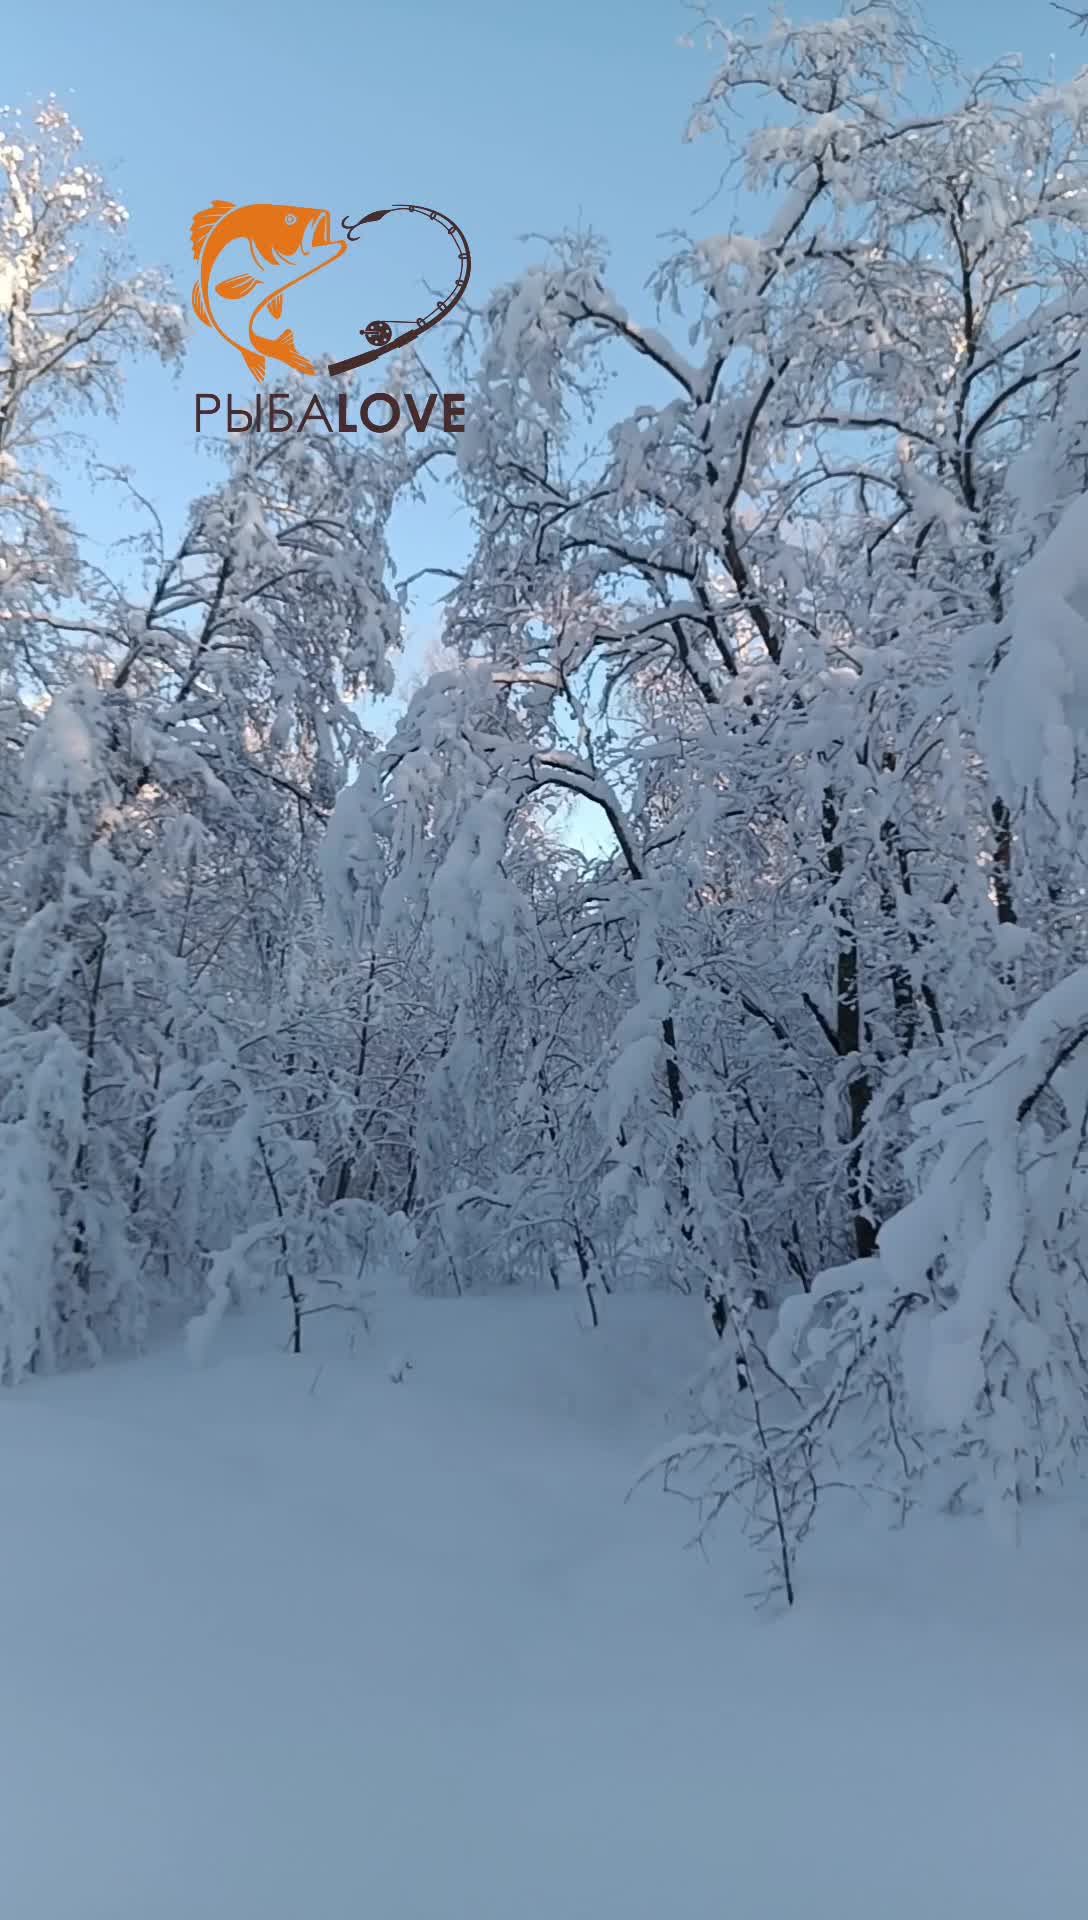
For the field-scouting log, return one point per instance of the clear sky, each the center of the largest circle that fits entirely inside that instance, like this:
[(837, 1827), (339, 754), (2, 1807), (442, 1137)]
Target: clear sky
[(515, 118)]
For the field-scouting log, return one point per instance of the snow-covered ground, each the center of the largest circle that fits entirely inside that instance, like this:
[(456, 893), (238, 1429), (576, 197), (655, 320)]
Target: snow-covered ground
[(289, 1639)]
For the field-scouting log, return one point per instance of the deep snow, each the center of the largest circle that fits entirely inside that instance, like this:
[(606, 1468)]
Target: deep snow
[(288, 1639)]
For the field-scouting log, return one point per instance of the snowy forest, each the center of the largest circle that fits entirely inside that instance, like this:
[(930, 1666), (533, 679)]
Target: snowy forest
[(713, 923)]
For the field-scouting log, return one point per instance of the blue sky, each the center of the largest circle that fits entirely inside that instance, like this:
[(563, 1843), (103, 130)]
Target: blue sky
[(515, 118)]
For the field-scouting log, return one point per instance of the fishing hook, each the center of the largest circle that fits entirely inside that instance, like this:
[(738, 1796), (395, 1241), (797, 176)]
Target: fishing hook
[(379, 332)]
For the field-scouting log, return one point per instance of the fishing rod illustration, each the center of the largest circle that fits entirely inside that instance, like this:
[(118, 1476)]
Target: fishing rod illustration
[(379, 334)]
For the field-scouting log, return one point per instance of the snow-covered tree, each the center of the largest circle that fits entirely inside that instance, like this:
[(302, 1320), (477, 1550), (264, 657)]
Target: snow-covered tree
[(172, 754), (753, 625)]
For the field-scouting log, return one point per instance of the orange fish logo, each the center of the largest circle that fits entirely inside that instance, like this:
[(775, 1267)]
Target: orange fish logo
[(280, 240)]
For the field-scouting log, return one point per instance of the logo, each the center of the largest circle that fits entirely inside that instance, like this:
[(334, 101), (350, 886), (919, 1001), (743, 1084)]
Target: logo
[(286, 245)]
